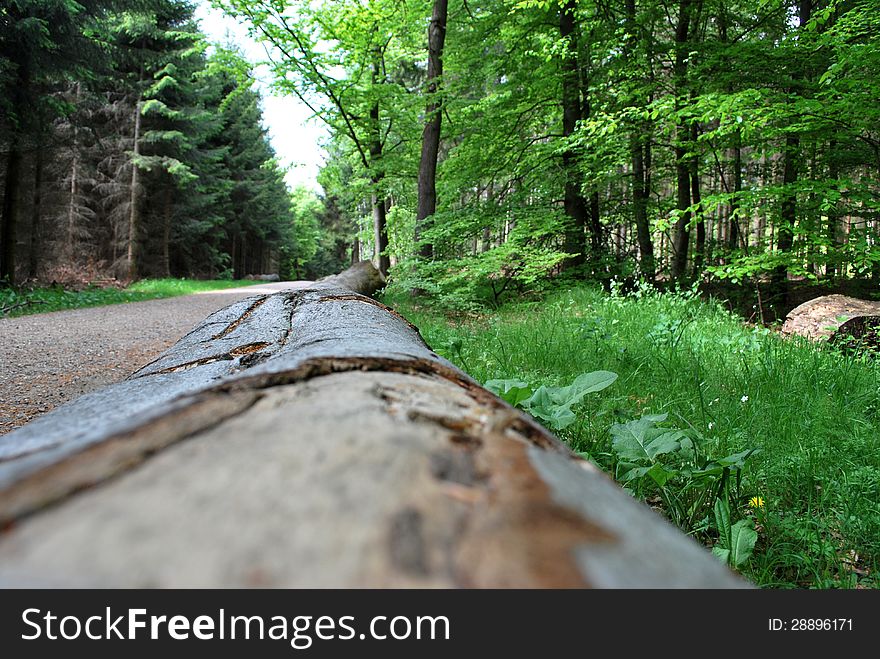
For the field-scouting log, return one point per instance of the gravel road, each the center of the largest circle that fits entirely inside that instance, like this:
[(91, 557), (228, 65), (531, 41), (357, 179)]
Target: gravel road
[(49, 359)]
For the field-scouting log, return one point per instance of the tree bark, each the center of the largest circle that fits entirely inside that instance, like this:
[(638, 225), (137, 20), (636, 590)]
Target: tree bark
[(833, 223), (790, 156), (332, 448), (696, 198), (36, 236), (427, 201), (11, 211), (134, 212), (681, 240), (733, 238), (640, 148), (574, 202), (166, 233), (380, 229)]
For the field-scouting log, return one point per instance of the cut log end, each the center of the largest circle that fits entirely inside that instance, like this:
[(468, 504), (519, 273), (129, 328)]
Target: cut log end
[(822, 318)]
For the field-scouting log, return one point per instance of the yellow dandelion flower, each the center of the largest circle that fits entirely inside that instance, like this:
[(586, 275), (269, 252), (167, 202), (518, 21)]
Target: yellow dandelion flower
[(756, 502)]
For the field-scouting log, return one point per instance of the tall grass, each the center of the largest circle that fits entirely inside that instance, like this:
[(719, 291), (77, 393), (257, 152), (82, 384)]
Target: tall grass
[(813, 413)]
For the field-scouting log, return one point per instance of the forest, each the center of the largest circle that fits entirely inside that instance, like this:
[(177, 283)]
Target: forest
[(476, 150), (601, 211), (128, 151), (481, 148)]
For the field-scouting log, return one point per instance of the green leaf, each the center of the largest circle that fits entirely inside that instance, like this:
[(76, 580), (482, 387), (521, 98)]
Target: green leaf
[(642, 441), (633, 473), (722, 553), (722, 522), (742, 541), (737, 460), (542, 406), (512, 391), (585, 383), (660, 474)]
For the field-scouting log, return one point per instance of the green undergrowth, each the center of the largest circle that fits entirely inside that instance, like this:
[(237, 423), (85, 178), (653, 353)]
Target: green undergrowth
[(765, 449), (19, 302)]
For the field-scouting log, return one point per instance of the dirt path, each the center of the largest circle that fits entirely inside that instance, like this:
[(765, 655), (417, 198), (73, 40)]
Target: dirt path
[(49, 359)]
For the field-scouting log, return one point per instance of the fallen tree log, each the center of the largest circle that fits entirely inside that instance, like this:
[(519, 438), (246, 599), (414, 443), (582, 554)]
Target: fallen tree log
[(362, 277), (310, 438), (831, 317)]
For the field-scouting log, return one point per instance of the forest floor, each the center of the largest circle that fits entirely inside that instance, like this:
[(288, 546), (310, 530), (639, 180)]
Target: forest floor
[(48, 359)]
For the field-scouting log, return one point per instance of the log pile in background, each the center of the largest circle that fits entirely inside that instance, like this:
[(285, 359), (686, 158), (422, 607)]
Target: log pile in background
[(307, 439), (838, 319)]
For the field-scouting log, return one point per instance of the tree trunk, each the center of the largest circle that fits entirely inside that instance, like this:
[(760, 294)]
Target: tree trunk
[(833, 222), (640, 147), (166, 233), (380, 229), (733, 238), (696, 198), (70, 240), (36, 237), (640, 209), (682, 169), (574, 202), (11, 211), (790, 157), (312, 439), (134, 213), (427, 202)]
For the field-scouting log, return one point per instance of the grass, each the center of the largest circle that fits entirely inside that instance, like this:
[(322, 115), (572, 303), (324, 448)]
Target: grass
[(813, 413), (14, 302)]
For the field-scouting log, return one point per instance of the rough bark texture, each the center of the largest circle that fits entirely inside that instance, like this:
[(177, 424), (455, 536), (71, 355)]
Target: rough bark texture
[(310, 438), (822, 317), (576, 207), (11, 210), (427, 201), (682, 235)]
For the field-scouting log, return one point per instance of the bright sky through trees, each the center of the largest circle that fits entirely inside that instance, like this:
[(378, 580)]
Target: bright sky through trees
[(295, 138)]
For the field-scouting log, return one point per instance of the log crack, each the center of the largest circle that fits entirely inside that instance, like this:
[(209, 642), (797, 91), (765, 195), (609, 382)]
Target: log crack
[(238, 321)]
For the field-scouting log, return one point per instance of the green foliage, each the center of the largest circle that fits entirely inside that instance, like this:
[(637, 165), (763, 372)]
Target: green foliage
[(736, 541), (672, 463), (726, 389), (553, 405)]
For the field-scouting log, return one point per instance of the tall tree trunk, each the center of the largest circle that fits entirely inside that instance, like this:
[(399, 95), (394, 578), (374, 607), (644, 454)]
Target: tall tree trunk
[(594, 226), (36, 239), (696, 198), (166, 233), (832, 227), (682, 169), (596, 242), (134, 212), (640, 209), (790, 156), (733, 238), (234, 254), (574, 203), (427, 203), (11, 210), (70, 239), (639, 145), (377, 199)]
